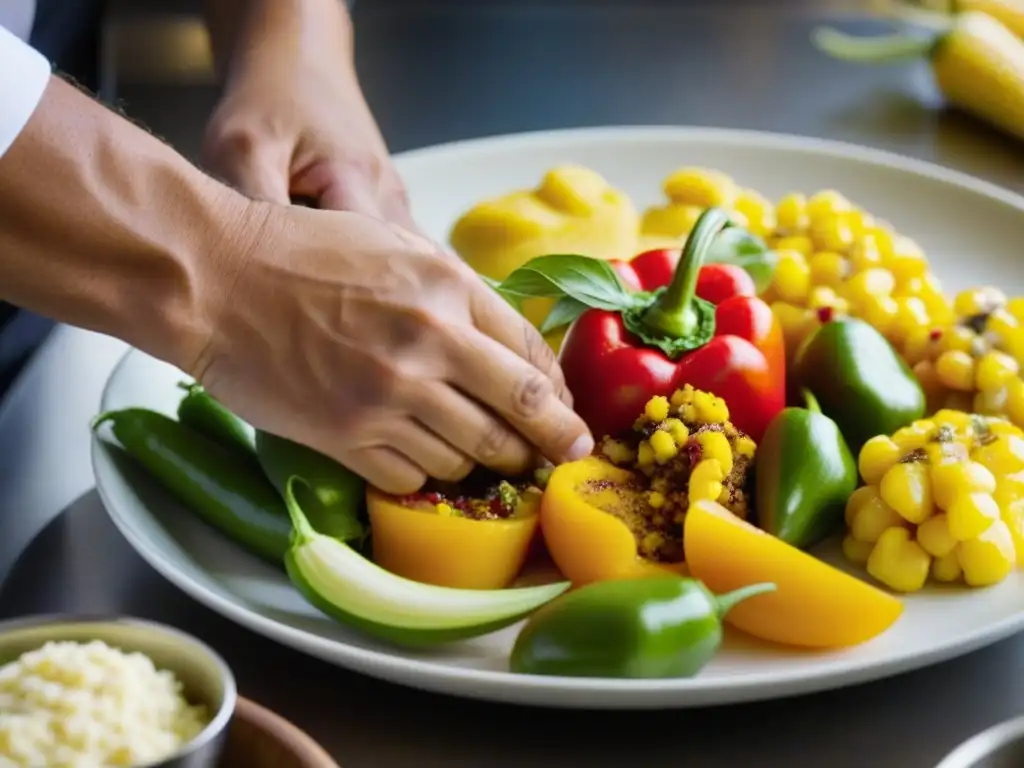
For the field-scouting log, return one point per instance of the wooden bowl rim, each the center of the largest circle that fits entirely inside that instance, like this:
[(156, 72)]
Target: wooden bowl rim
[(299, 743)]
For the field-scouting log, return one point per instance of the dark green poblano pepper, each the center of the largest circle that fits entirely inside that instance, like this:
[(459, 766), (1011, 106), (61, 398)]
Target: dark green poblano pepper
[(859, 380), (804, 474), (639, 628)]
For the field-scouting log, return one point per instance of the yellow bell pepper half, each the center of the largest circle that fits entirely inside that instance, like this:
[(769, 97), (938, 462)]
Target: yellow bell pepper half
[(584, 537), (449, 550), (572, 210)]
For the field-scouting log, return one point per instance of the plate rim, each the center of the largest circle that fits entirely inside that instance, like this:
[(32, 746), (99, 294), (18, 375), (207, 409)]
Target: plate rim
[(437, 676)]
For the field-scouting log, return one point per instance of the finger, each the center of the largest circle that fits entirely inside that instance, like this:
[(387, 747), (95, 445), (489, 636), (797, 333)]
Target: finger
[(436, 457), (472, 430), (499, 320), (259, 170), (352, 187), (386, 469), (520, 393)]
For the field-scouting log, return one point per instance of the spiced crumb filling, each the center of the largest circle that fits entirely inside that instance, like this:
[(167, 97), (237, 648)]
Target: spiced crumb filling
[(482, 495)]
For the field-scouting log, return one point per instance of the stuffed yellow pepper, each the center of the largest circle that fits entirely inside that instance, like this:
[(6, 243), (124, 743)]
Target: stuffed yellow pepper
[(620, 514), (472, 535)]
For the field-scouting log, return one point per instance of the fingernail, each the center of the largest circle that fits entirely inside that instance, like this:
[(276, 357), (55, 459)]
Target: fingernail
[(582, 448)]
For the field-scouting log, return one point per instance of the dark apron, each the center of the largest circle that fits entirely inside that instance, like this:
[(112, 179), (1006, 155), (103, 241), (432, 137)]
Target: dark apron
[(67, 32)]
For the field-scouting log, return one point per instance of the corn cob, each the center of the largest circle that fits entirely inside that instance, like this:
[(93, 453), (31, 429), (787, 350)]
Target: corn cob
[(977, 61)]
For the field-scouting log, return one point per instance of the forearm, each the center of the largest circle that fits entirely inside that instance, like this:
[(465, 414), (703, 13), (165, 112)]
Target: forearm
[(105, 227), (241, 28)]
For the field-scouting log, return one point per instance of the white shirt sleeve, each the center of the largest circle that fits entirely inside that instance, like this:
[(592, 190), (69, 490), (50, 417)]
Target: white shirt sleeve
[(24, 74)]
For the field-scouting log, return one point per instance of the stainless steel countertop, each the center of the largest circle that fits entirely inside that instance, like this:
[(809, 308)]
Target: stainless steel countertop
[(441, 71)]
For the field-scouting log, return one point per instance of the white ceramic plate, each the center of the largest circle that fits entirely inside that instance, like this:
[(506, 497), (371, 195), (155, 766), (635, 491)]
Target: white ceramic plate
[(972, 232)]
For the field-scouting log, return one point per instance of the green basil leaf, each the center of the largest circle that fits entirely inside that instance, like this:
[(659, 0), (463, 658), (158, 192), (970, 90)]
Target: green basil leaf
[(735, 245), (674, 347), (566, 310), (592, 282), (515, 301)]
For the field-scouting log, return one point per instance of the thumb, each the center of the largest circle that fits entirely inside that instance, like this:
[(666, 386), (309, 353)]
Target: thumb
[(257, 169)]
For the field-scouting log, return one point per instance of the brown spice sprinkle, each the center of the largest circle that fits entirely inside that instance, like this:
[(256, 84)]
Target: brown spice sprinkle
[(683, 449), (483, 495)]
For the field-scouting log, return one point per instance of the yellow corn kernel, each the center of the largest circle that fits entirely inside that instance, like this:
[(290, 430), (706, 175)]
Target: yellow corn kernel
[(1001, 324), (1015, 401), (645, 455), (883, 239), (1009, 488), (832, 233), (677, 430), (910, 438), (745, 447), (921, 344), (792, 278), (879, 312), (682, 397), (1015, 307), (825, 204), (999, 426), (865, 255), (799, 243), (656, 409), (943, 452), (656, 499), (911, 315), (665, 448), (702, 187), (445, 510), (877, 457), (989, 557), (907, 260), (958, 338), (797, 323), (947, 569), (617, 452), (861, 222), (706, 481), (1013, 516), (715, 445), (1012, 343), (828, 268), (950, 480), (994, 369), (791, 213), (869, 284), (856, 551), (670, 221), (858, 499), (710, 409), (934, 537), (970, 514), (871, 518), (758, 212), (978, 301), (907, 489), (899, 562), (956, 370), (1003, 456), (958, 420)]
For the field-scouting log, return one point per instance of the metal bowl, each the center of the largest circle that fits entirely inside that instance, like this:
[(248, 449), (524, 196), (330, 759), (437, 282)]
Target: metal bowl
[(204, 674), (1001, 746)]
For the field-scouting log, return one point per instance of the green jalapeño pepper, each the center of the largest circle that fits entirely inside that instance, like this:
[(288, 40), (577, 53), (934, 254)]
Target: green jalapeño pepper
[(332, 496), (805, 473), (859, 380), (226, 490), (360, 594), (199, 410), (636, 628)]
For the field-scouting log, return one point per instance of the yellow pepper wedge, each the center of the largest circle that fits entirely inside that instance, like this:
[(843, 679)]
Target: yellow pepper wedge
[(586, 541), (814, 605), (448, 550)]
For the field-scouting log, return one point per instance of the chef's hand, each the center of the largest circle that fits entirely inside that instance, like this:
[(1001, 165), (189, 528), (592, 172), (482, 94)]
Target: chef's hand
[(348, 334), (293, 120)]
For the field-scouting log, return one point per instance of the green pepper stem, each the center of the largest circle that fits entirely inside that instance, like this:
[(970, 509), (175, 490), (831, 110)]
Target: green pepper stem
[(810, 401), (302, 531), (675, 313), (189, 386), (880, 49), (729, 600)]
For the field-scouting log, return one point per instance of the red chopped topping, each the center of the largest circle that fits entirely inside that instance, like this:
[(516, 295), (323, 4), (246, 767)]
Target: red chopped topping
[(825, 314), (935, 334)]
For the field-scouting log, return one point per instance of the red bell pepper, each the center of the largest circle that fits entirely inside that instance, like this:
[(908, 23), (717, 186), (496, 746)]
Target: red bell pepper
[(668, 321)]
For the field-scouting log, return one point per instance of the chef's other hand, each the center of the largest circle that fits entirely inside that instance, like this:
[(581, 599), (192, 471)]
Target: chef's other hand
[(361, 340), (293, 121)]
